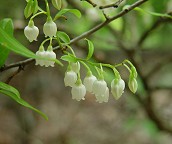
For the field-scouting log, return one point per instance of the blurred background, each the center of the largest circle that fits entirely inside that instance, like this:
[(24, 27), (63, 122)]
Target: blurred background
[(143, 118)]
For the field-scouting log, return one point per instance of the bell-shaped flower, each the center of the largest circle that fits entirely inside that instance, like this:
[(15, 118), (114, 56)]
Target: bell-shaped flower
[(49, 54), (70, 78), (117, 87), (31, 31), (103, 97), (99, 87), (50, 28), (132, 84), (88, 82), (78, 92), (41, 54), (75, 67)]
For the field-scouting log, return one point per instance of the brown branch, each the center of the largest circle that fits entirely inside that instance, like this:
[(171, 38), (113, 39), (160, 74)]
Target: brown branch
[(14, 74), (114, 5), (84, 35)]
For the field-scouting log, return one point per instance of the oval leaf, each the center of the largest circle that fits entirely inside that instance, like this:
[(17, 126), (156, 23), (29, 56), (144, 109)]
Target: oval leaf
[(69, 58), (28, 9), (76, 12), (57, 4), (63, 36)]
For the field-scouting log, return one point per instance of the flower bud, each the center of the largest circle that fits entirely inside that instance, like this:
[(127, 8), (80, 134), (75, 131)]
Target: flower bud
[(88, 82), (70, 78), (117, 87), (78, 92), (132, 84), (50, 28), (41, 53), (31, 32)]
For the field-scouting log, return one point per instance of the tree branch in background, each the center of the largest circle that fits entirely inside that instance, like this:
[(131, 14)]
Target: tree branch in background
[(84, 35)]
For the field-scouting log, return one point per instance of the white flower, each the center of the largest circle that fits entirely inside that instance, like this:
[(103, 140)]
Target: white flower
[(50, 28), (88, 82), (40, 53), (51, 55), (117, 88), (75, 67), (31, 32), (70, 78), (104, 97), (78, 92), (132, 84), (99, 87)]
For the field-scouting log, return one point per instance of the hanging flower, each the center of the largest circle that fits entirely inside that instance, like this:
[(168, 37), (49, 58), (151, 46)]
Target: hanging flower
[(117, 87), (132, 84), (99, 87), (78, 92), (75, 67), (41, 53), (50, 55), (88, 82), (103, 97), (70, 78), (50, 28), (31, 31)]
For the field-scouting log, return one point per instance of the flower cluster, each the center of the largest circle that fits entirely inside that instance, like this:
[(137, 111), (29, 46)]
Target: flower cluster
[(50, 29), (93, 85), (45, 55)]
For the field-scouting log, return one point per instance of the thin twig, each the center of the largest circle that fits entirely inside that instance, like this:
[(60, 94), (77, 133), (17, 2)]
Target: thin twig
[(114, 5)]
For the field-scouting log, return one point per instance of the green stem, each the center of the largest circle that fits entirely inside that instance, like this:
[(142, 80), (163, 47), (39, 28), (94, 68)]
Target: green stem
[(47, 9), (48, 39), (85, 65), (42, 12), (127, 68), (72, 51)]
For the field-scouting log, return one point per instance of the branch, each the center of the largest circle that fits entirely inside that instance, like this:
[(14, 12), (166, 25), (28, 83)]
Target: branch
[(84, 35), (90, 2), (114, 5)]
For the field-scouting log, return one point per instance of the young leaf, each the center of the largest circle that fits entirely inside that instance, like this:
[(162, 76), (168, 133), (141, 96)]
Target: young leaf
[(57, 4), (29, 9), (90, 49), (69, 58), (63, 36), (15, 95), (76, 12), (7, 25)]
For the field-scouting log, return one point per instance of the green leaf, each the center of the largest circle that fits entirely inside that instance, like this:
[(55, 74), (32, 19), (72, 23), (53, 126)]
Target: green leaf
[(15, 95), (63, 36), (29, 9), (7, 25), (69, 58), (57, 4), (12, 44), (90, 49), (35, 6), (152, 13), (76, 12)]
